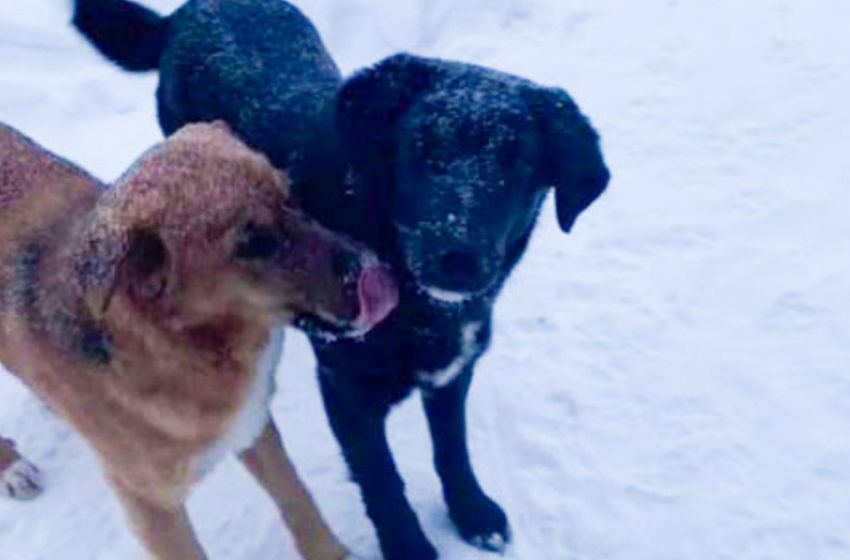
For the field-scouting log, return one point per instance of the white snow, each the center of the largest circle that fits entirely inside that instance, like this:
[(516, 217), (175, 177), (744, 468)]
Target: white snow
[(669, 382)]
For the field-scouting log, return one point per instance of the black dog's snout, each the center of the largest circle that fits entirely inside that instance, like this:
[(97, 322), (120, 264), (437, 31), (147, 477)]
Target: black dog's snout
[(461, 269), (459, 264)]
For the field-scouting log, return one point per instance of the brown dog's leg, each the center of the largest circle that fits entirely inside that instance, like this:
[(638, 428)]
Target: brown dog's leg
[(19, 479), (166, 533), (268, 463)]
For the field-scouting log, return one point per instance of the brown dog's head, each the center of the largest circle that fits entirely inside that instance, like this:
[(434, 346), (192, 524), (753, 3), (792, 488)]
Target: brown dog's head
[(202, 229)]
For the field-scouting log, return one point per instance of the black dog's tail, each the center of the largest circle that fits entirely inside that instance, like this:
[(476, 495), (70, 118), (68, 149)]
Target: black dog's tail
[(130, 35)]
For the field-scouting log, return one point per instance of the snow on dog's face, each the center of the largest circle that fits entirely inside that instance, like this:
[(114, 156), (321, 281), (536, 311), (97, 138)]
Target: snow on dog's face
[(202, 228), (465, 157), (464, 192)]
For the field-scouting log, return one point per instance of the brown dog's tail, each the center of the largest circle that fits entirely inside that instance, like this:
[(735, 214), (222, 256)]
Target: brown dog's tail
[(130, 35)]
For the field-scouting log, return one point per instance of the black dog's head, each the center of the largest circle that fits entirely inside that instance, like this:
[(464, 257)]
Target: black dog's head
[(461, 158)]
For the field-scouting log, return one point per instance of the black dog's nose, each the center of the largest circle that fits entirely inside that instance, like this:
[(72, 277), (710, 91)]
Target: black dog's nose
[(460, 269)]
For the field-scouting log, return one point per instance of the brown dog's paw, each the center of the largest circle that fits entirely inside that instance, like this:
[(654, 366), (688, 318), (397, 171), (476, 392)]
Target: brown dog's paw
[(21, 481)]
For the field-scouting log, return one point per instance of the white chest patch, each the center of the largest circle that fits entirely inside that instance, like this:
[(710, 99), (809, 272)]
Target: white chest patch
[(446, 296), (468, 349), (252, 417)]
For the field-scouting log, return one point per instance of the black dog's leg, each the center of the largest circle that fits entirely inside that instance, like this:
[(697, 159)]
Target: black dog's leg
[(479, 519), (359, 426)]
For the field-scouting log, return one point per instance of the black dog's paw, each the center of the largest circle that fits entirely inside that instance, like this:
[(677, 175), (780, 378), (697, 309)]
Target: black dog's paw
[(482, 523), (413, 547)]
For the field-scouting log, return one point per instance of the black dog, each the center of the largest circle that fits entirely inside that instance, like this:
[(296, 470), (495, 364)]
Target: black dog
[(441, 167)]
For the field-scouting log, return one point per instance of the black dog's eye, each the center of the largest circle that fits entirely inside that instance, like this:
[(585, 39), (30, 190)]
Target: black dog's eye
[(257, 243)]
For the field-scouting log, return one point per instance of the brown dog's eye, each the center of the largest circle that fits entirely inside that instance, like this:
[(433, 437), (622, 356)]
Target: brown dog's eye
[(257, 242)]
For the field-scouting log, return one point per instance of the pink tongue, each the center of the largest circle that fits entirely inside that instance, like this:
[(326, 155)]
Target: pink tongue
[(378, 294)]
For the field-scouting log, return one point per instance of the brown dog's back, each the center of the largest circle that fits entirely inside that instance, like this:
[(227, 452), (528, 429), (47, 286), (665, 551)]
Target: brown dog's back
[(36, 188), (40, 196)]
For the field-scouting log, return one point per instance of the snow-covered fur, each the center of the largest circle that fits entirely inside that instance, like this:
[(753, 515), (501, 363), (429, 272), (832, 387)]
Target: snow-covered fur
[(441, 167)]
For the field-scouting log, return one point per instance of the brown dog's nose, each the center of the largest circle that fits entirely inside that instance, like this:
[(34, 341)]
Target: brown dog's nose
[(347, 265)]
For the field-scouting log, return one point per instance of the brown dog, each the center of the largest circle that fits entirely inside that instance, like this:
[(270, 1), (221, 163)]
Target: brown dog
[(142, 313), (19, 479)]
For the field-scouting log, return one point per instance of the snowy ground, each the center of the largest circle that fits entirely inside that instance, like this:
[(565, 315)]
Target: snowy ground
[(670, 382)]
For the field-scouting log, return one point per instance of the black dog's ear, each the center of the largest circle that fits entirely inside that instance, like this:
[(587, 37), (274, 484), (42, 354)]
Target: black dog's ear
[(570, 159), (372, 101)]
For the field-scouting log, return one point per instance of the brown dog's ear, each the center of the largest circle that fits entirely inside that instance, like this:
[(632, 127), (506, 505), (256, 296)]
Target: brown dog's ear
[(145, 265), (202, 130), (570, 157), (135, 261)]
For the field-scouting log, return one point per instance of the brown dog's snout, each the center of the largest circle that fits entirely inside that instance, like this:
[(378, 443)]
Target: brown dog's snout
[(347, 289), (347, 265), (366, 284)]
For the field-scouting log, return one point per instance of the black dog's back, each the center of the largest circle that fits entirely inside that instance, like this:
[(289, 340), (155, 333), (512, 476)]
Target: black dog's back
[(273, 37), (274, 80)]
